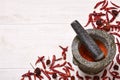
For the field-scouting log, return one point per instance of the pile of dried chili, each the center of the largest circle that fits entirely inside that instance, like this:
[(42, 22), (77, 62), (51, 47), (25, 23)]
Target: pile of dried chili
[(52, 69), (103, 18)]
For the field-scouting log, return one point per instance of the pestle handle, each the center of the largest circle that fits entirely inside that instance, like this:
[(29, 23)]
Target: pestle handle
[(86, 39)]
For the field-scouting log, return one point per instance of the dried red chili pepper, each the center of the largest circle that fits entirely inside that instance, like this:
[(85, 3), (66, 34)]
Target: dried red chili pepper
[(43, 64), (90, 19), (69, 68), (118, 58), (59, 65), (115, 27), (114, 15), (39, 59), (69, 64), (45, 74), (106, 78), (115, 74), (58, 59), (115, 33), (109, 8), (53, 61), (111, 65), (28, 75), (39, 77), (118, 44), (49, 72), (98, 4), (104, 73), (67, 72), (102, 8), (78, 76), (58, 72), (64, 52), (114, 4)]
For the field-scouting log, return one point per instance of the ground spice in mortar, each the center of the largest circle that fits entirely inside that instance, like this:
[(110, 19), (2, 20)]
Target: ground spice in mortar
[(86, 54)]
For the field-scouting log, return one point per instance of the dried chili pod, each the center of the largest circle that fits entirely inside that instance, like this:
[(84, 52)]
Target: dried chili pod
[(104, 73), (102, 8), (39, 59), (98, 4), (47, 75), (53, 61), (111, 65), (115, 33), (118, 58), (114, 4), (78, 76), (106, 78), (88, 77)]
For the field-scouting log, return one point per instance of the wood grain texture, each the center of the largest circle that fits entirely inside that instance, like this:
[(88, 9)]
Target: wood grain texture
[(30, 28)]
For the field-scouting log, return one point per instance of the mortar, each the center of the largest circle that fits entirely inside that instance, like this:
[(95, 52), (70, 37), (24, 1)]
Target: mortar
[(94, 67)]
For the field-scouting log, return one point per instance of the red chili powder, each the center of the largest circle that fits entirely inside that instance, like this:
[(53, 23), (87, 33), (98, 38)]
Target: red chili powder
[(86, 54)]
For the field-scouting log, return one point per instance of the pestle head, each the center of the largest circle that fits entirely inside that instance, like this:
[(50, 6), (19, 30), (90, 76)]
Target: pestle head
[(88, 42)]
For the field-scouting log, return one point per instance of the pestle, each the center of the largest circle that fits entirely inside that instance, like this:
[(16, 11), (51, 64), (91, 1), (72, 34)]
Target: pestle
[(88, 42)]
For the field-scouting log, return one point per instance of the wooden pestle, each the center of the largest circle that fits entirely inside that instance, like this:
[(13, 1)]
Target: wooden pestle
[(88, 42)]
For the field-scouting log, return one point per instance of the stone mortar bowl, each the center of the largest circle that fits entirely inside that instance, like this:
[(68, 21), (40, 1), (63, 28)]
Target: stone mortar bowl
[(94, 67)]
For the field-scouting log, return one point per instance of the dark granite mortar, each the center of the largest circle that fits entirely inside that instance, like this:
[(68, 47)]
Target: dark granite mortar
[(94, 67)]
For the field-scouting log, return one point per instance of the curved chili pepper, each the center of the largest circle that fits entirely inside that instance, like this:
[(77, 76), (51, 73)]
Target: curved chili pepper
[(106, 78), (111, 65), (110, 8), (48, 72), (59, 65), (87, 77), (53, 61), (98, 4), (118, 58), (39, 77), (58, 59), (58, 72), (78, 76), (104, 73), (69, 68), (104, 6), (68, 74), (114, 4), (115, 33), (90, 19), (118, 44), (45, 74)]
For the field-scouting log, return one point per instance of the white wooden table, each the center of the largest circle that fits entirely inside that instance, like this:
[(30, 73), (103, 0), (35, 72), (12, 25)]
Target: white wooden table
[(31, 28)]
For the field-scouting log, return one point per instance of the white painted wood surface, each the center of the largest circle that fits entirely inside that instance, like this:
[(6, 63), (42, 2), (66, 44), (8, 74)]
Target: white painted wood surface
[(30, 28)]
